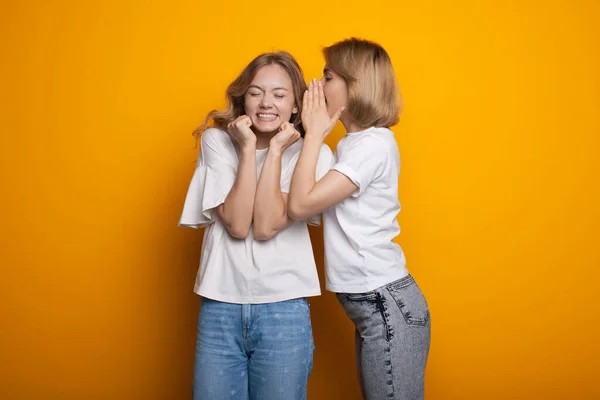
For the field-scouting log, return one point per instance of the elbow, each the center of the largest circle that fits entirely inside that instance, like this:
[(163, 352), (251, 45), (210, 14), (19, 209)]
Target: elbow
[(239, 232), (296, 211), (262, 233), (262, 236)]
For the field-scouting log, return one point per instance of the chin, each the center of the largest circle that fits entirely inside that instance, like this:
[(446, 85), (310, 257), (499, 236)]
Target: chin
[(264, 126), (268, 124)]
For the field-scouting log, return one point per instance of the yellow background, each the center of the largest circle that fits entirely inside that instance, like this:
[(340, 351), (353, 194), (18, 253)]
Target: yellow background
[(499, 187)]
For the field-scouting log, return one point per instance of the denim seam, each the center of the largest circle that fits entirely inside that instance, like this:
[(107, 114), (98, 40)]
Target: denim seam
[(382, 308), (389, 372)]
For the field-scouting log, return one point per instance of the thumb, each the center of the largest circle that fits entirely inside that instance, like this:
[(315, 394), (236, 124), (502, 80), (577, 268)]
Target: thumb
[(337, 115)]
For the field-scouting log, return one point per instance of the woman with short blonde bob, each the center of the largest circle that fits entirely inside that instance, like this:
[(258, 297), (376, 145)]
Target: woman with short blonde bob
[(359, 201)]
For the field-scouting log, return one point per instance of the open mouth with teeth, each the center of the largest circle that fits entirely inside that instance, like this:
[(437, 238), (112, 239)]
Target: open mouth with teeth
[(267, 117)]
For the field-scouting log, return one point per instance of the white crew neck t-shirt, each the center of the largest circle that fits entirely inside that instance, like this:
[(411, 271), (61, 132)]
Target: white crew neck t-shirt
[(360, 254), (248, 271)]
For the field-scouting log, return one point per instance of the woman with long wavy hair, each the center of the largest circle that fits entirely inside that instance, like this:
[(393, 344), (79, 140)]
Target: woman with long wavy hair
[(257, 268)]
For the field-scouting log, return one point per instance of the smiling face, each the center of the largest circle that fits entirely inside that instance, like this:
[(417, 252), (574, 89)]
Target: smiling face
[(269, 100)]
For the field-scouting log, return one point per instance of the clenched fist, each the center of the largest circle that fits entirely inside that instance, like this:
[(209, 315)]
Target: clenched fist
[(240, 130), (287, 136)]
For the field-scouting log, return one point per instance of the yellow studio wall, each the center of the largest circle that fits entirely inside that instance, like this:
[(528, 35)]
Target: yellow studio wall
[(499, 187)]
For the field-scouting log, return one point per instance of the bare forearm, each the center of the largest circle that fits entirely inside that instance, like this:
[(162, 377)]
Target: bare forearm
[(303, 180), (270, 213), (236, 212)]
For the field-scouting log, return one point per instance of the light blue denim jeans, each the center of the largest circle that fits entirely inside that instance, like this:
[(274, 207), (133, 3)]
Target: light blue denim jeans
[(253, 351)]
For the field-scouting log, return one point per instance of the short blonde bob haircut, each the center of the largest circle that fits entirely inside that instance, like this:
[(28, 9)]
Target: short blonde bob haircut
[(373, 94)]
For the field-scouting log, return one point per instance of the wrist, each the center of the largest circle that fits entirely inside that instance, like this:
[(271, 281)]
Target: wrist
[(275, 148), (275, 151), (313, 138), (249, 140), (248, 146)]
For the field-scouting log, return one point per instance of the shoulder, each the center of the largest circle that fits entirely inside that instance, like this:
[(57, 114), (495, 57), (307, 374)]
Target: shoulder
[(214, 135), (326, 159), (292, 153), (377, 138), (325, 151), (218, 141), (369, 142), (294, 150)]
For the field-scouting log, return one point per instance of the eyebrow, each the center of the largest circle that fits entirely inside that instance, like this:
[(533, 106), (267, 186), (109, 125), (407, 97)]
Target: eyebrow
[(263, 90), (326, 70)]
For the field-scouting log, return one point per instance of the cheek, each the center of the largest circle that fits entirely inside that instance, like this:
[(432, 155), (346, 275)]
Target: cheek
[(342, 93), (286, 107), (332, 95), (249, 104), (328, 93)]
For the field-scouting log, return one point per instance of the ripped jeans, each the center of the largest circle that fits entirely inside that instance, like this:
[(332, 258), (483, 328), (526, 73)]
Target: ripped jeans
[(392, 339)]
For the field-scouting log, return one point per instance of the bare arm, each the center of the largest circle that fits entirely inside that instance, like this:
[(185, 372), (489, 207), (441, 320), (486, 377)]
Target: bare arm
[(237, 210), (307, 197), (270, 205)]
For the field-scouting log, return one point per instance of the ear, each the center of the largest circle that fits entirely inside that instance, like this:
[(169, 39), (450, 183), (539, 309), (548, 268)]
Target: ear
[(295, 110)]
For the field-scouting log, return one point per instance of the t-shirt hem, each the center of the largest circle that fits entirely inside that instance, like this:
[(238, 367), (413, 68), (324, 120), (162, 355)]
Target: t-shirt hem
[(256, 299), (363, 288)]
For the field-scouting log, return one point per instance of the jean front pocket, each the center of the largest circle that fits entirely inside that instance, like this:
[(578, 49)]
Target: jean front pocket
[(409, 298)]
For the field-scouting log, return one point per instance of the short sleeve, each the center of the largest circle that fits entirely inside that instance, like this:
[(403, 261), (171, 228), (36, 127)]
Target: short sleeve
[(324, 164), (215, 174), (361, 161)]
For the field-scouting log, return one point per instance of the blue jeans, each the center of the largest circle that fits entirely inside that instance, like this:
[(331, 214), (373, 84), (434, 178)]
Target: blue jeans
[(253, 351), (393, 331)]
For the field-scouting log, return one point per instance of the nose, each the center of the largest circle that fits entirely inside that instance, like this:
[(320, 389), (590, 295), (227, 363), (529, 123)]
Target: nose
[(264, 102)]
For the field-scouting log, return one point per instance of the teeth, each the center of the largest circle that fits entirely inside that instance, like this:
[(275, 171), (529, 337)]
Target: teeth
[(267, 116)]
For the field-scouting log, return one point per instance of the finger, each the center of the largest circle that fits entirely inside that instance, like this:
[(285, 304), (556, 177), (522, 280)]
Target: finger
[(309, 104), (315, 90), (305, 100), (337, 115), (321, 95)]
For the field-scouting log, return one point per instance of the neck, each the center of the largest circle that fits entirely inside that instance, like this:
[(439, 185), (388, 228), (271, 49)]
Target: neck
[(263, 139), (351, 126)]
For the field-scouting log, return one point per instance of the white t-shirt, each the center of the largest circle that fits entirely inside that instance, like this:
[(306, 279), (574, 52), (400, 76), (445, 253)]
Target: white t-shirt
[(360, 255), (248, 271)]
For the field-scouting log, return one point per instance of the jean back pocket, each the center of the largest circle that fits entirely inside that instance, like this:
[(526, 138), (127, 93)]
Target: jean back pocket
[(409, 298)]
